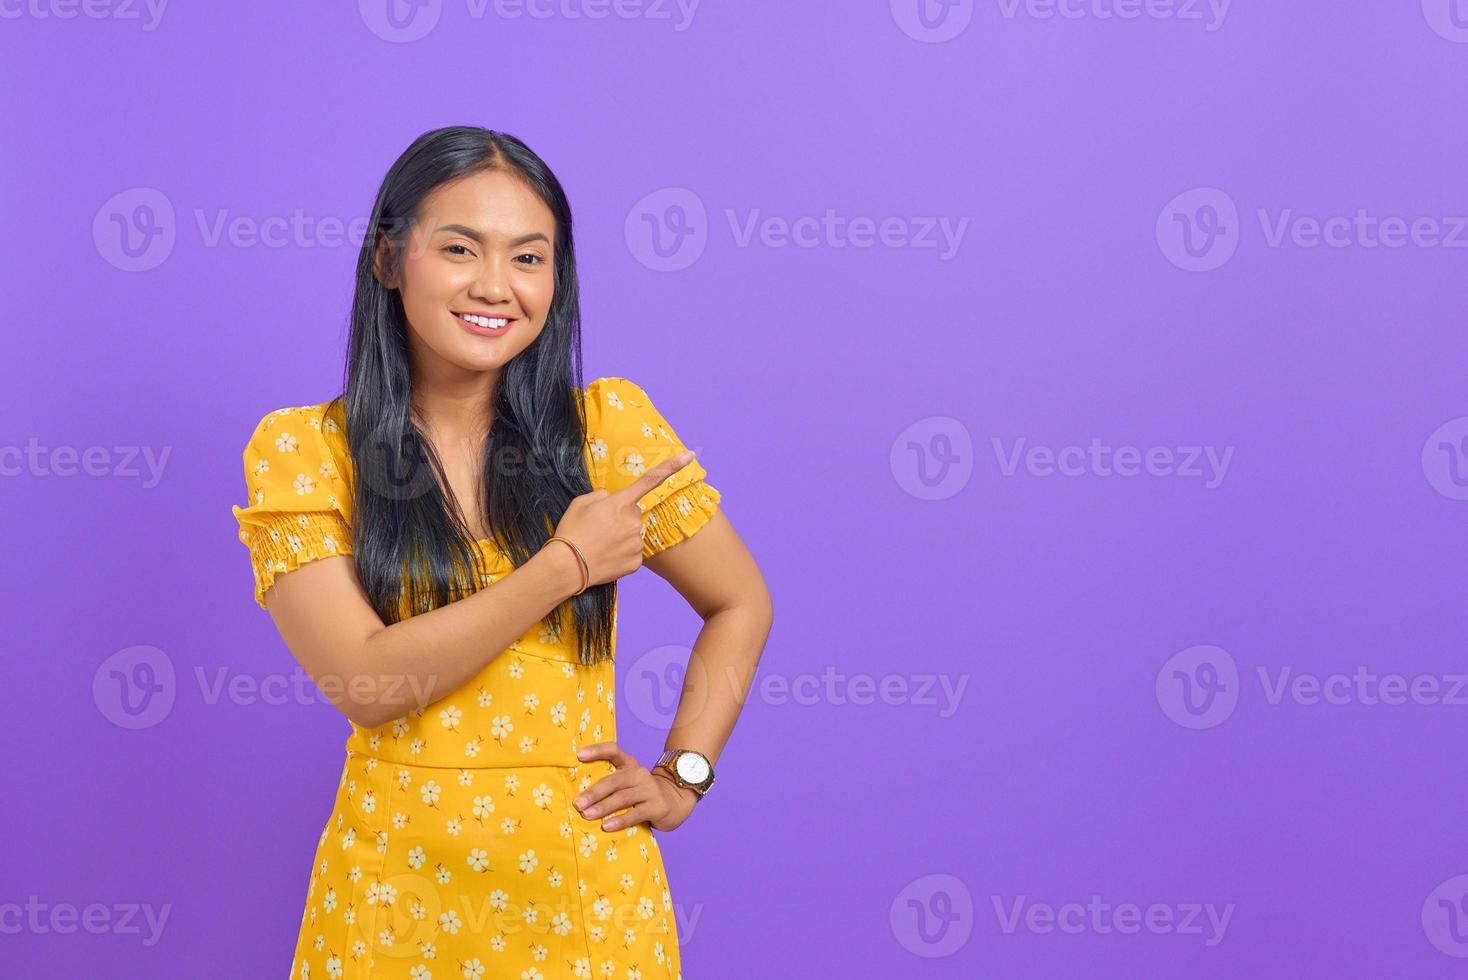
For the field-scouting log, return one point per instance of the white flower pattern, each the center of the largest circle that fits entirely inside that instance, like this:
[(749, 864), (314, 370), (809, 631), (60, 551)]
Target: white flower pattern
[(423, 868)]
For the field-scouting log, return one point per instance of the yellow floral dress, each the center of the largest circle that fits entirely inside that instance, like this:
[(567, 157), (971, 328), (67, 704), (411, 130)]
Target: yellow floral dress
[(453, 849)]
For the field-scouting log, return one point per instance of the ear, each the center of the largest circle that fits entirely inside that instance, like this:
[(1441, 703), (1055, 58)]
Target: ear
[(384, 244)]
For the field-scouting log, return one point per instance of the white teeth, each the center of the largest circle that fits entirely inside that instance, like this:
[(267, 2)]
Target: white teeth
[(484, 321)]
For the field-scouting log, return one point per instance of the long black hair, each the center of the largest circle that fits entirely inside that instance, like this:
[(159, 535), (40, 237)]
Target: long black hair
[(412, 549)]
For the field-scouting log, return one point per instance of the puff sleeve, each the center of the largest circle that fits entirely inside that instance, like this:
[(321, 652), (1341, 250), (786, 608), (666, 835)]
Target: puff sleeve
[(298, 499), (627, 435)]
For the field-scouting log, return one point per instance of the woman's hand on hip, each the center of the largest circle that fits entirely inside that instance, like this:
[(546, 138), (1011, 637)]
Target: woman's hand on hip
[(651, 794)]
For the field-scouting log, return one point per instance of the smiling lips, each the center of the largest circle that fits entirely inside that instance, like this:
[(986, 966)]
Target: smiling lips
[(485, 326)]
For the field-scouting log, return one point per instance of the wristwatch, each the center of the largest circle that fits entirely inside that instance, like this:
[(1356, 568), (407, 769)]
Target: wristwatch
[(689, 769)]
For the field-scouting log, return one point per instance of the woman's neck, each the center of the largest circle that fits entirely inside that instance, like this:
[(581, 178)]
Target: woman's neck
[(455, 410)]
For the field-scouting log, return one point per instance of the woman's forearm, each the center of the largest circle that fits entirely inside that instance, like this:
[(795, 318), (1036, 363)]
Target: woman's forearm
[(412, 663), (720, 673)]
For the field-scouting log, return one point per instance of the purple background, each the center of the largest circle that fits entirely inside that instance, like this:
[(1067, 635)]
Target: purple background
[(826, 388)]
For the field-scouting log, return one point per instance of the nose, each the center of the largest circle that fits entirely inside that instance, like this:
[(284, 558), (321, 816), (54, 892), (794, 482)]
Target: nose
[(491, 284)]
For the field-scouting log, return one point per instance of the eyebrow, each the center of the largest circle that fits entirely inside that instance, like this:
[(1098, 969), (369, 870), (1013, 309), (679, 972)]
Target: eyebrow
[(468, 232)]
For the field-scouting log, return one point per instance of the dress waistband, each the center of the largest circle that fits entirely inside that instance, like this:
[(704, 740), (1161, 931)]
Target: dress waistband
[(491, 756)]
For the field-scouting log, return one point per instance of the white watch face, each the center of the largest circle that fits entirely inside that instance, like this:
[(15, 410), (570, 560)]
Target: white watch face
[(692, 767)]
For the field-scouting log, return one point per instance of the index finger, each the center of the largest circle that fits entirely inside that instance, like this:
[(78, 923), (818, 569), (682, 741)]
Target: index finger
[(611, 751), (645, 483)]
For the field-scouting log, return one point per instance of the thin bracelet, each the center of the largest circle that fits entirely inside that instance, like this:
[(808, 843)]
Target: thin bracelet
[(585, 568)]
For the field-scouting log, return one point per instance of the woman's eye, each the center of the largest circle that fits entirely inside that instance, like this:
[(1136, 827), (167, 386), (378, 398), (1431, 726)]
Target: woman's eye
[(464, 252), (532, 255)]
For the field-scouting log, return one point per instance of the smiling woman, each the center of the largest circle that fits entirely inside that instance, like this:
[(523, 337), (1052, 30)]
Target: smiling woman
[(439, 547), (459, 280)]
